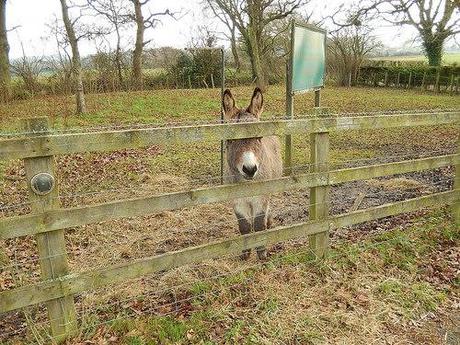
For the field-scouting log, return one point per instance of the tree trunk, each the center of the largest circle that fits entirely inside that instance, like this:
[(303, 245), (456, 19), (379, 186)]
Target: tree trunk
[(256, 62), (5, 77), (139, 45), (76, 61), (254, 41), (235, 54), (118, 59), (433, 50)]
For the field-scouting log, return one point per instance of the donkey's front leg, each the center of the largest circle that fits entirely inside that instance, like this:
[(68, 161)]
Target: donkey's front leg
[(242, 210), (261, 210), (260, 224), (245, 228)]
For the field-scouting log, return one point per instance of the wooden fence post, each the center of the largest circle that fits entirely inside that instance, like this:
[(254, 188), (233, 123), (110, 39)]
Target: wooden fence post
[(456, 205), (436, 85), (319, 196), (51, 245), (410, 80), (397, 79), (289, 115), (451, 84), (386, 78), (212, 81), (423, 81), (374, 80)]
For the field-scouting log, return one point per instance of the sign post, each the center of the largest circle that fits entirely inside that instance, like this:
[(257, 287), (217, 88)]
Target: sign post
[(304, 72)]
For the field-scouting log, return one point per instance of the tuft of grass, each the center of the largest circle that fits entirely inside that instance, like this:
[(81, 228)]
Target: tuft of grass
[(410, 299), (233, 334), (167, 329), (200, 287)]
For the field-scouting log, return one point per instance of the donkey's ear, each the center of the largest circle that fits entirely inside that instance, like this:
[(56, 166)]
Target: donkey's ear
[(228, 104), (257, 102)]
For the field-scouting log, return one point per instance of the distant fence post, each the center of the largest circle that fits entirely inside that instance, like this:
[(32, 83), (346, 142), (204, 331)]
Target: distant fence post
[(409, 83), (436, 85), (51, 245), (319, 196), (456, 205), (422, 87), (386, 78), (398, 79)]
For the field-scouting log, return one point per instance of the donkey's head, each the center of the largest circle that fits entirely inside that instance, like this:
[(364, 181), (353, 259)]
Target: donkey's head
[(244, 155)]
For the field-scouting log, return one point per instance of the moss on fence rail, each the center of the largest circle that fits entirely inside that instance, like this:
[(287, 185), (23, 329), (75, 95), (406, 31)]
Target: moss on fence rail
[(47, 145), (71, 217)]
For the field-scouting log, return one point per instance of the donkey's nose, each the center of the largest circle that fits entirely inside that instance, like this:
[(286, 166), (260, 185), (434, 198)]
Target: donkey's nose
[(250, 171)]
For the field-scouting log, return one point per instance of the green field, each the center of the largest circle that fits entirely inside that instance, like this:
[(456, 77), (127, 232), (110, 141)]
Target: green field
[(160, 106), (448, 58), (394, 281)]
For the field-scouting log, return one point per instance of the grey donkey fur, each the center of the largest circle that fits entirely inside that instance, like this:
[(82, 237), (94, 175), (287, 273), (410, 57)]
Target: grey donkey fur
[(251, 159)]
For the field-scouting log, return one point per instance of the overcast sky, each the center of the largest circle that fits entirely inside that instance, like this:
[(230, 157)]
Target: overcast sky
[(33, 15)]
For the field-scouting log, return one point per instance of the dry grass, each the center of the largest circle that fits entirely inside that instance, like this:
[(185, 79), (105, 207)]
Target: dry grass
[(381, 290)]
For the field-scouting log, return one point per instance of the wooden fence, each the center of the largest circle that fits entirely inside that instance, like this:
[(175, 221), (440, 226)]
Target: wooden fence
[(408, 79), (47, 221)]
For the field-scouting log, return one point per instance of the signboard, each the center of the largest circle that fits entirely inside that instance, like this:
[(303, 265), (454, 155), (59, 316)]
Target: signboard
[(308, 57)]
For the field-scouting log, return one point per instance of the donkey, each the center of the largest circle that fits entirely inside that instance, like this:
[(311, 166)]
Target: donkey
[(251, 159)]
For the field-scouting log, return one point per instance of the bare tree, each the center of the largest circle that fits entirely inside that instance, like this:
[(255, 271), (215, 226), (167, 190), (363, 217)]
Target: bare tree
[(434, 20), (76, 61), (142, 23), (29, 70), (62, 63), (4, 50), (117, 14), (252, 18), (347, 50), (231, 27)]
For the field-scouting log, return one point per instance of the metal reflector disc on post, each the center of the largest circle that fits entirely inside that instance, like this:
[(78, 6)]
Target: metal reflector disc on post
[(42, 183)]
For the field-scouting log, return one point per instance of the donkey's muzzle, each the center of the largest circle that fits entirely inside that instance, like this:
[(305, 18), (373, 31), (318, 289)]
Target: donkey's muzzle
[(249, 171)]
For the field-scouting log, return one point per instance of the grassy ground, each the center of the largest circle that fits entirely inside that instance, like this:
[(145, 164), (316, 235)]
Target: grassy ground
[(448, 58), (398, 286), (162, 106), (390, 288)]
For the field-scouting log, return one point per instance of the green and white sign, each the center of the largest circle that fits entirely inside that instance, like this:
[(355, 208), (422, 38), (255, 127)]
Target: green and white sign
[(308, 58)]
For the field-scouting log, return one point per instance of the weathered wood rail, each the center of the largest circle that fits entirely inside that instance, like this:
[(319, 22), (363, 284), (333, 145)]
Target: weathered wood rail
[(49, 222), (47, 145)]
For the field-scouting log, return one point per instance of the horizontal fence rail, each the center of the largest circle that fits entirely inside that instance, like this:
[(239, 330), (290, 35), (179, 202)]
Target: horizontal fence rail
[(65, 218), (77, 283), (47, 145)]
